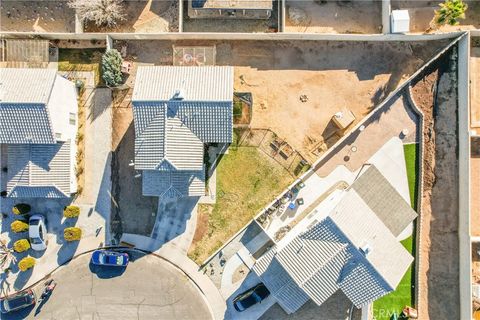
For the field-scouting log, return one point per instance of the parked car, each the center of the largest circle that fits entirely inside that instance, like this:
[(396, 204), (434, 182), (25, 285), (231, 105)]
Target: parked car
[(109, 258), (250, 297), (17, 301), (37, 232)]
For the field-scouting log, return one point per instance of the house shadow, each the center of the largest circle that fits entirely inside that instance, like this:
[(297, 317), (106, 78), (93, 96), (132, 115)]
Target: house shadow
[(104, 198)]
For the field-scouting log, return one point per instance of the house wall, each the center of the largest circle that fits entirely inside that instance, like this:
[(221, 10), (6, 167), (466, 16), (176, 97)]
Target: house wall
[(62, 102)]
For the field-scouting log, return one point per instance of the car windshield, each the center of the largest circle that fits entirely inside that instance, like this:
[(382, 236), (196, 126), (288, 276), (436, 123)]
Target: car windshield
[(117, 260), (18, 302), (35, 240)]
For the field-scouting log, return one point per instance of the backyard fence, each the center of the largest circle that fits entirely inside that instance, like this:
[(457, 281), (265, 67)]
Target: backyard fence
[(273, 146)]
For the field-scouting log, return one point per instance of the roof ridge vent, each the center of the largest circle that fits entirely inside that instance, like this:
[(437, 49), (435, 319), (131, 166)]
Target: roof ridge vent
[(366, 249), (180, 92)]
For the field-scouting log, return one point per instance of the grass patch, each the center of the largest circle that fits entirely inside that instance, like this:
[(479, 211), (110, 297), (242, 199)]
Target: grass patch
[(247, 180), (394, 302), (81, 60)]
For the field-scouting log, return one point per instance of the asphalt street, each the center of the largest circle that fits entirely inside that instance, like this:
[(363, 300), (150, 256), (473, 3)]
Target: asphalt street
[(148, 288)]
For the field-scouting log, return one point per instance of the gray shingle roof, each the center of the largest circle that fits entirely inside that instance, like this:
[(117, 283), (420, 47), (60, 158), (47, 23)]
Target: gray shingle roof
[(170, 131), (173, 184), (36, 170), (328, 257), (165, 143), (208, 83), (384, 200), (24, 116)]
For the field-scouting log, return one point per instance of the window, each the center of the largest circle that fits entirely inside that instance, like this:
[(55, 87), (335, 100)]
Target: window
[(73, 118)]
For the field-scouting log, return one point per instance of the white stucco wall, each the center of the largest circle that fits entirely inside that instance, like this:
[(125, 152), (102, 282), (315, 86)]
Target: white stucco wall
[(62, 102)]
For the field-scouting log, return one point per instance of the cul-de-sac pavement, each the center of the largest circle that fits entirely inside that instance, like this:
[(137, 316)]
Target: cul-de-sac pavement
[(268, 159)]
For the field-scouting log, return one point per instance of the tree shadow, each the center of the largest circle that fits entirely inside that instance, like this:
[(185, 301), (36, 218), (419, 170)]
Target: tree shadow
[(67, 251), (22, 278)]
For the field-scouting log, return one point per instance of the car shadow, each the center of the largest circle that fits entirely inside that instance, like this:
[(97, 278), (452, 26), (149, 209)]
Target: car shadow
[(106, 272)]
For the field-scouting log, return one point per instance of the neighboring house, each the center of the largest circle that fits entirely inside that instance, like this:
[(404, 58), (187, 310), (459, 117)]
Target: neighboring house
[(38, 125), (246, 9), (176, 110), (354, 249)]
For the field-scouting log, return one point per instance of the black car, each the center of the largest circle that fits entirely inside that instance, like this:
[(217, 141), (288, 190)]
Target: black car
[(250, 297), (18, 301)]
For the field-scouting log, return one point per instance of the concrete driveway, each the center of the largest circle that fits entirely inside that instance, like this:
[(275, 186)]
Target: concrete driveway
[(175, 222), (148, 288)]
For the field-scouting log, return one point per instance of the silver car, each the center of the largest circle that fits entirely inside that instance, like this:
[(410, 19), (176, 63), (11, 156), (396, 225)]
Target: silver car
[(37, 232)]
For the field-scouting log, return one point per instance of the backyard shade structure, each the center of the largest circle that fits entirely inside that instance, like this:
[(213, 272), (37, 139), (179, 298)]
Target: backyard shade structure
[(350, 250), (176, 110), (38, 122)]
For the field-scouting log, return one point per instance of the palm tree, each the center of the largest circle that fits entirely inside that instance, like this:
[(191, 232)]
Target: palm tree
[(450, 12)]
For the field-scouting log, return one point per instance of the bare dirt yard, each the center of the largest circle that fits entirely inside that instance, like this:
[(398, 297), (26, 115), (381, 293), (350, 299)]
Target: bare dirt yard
[(38, 16), (422, 12), (475, 183), (144, 16), (278, 73), (438, 267), (333, 16)]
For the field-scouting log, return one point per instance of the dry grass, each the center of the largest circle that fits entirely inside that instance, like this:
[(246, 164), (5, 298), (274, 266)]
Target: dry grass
[(247, 180)]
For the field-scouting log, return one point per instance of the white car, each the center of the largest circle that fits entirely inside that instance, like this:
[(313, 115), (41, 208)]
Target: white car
[(37, 232)]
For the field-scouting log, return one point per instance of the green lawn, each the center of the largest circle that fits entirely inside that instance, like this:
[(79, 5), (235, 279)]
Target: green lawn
[(384, 307), (81, 60), (247, 180)]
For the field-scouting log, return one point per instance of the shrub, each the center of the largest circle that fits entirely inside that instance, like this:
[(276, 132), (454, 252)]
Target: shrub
[(112, 68), (450, 12), (18, 226), (21, 245), (26, 263), (72, 234), (21, 208), (71, 211)]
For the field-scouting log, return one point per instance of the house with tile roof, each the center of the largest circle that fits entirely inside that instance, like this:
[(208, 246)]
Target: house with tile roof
[(354, 248), (38, 125), (176, 111)]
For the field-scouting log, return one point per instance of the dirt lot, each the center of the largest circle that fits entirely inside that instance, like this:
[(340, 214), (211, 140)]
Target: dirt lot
[(422, 12), (333, 16), (438, 275), (327, 72), (40, 16), (146, 16)]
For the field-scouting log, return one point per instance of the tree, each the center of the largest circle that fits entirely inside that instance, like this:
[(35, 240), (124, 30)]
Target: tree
[(104, 13), (112, 68), (6, 256), (450, 12)]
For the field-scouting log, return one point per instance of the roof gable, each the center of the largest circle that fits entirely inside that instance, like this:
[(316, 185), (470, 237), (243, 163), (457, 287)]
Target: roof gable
[(382, 198), (39, 170)]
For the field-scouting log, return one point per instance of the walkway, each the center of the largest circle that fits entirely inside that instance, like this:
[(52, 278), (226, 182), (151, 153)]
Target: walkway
[(384, 124)]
